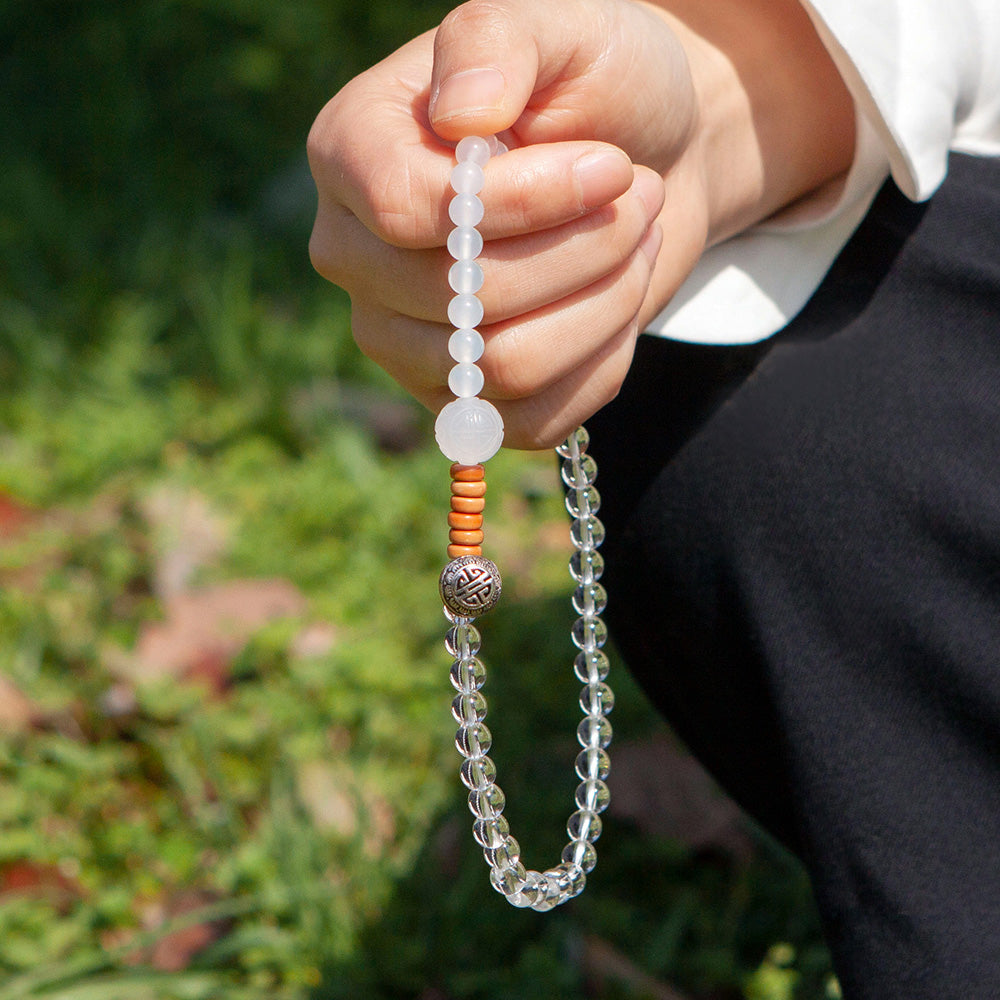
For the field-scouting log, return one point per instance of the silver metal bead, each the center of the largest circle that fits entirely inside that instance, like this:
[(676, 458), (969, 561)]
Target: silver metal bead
[(470, 586)]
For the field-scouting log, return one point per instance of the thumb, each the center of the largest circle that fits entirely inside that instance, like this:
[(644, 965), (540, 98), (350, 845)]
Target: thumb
[(485, 66)]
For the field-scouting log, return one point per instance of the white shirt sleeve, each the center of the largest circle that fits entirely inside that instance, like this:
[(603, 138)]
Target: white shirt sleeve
[(925, 79), (925, 72)]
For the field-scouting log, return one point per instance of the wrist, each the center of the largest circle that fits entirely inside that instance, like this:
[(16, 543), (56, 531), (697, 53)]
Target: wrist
[(774, 119)]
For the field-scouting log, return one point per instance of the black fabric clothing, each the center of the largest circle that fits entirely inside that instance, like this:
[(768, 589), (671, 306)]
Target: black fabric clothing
[(803, 558)]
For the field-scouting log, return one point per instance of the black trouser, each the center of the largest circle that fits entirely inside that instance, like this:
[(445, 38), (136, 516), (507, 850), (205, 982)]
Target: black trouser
[(804, 569)]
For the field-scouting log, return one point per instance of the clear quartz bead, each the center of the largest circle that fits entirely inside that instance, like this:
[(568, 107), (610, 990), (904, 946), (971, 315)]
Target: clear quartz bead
[(465, 277), (584, 825), (591, 666), (465, 210), (597, 699), (509, 880), (578, 473), (593, 795), (586, 566), (491, 832), (488, 802), (582, 440), (589, 633), (466, 381), (468, 673), (463, 640), (580, 853), (585, 500), (466, 346), (478, 772), (505, 854), (465, 312), (594, 731), (465, 243), (474, 740), (469, 431), (593, 762), (468, 708), (587, 532), (529, 892), (467, 177), (590, 599), (473, 149)]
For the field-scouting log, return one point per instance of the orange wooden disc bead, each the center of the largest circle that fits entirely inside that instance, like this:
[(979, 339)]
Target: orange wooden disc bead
[(468, 491)]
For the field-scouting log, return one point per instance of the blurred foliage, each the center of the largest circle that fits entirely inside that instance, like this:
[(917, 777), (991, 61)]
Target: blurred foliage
[(283, 821)]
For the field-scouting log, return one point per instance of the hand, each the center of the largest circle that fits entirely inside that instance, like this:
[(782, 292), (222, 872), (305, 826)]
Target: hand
[(581, 92)]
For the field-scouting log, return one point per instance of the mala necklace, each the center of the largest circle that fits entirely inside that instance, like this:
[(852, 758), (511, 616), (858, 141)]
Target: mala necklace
[(469, 431)]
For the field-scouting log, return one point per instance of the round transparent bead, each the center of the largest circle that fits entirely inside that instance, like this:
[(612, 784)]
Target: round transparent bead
[(594, 732), (580, 853), (465, 210), (466, 346), (549, 894), (468, 673), (474, 740), (491, 832), (587, 532), (509, 880), (478, 772), (591, 666), (582, 439), (469, 431), (488, 802), (584, 825), (529, 892), (585, 500), (465, 312), (593, 762), (576, 474), (586, 566), (467, 177), (465, 243), (463, 640), (597, 699), (593, 795), (465, 277), (590, 599), (589, 633), (466, 381), (468, 708), (473, 149), (504, 854)]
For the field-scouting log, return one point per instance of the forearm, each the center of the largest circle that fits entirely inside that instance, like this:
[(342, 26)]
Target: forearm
[(774, 120)]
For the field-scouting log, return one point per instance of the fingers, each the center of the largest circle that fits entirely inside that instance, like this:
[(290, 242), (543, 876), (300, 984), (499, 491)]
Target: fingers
[(555, 365), (522, 273), (491, 56)]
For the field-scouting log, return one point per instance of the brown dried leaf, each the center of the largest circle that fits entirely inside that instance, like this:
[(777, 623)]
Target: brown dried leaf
[(204, 629), (18, 714)]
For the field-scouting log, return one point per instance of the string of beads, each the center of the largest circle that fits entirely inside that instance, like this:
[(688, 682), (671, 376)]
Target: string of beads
[(470, 585)]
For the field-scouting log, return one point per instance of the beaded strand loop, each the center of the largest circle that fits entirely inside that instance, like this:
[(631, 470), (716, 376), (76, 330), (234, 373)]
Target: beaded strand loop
[(469, 431)]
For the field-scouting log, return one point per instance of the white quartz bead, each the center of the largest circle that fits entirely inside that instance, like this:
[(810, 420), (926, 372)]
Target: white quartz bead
[(467, 178), (466, 346), (465, 277), (465, 243), (469, 431), (465, 312), (465, 210), (473, 149), (466, 381)]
